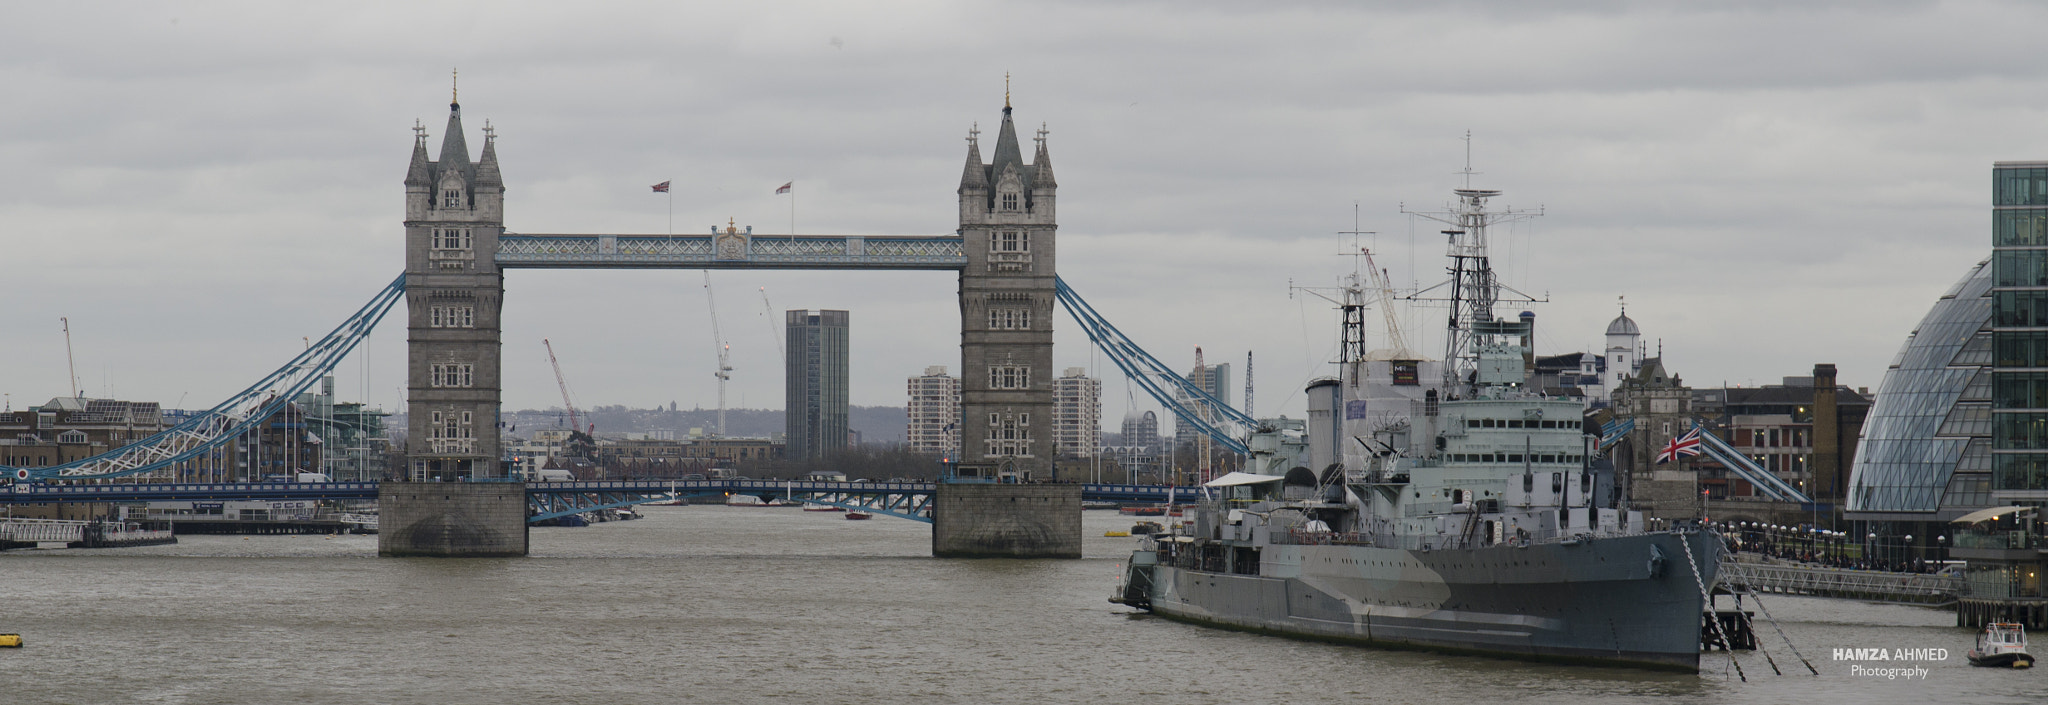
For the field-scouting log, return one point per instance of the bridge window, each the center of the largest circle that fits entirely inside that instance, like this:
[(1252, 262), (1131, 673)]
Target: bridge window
[(451, 239), (1009, 435), (451, 198), (1010, 201), (1009, 319), (453, 375), (452, 317), (1009, 377)]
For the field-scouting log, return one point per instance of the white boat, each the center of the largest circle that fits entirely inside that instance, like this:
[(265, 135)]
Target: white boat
[(2002, 645)]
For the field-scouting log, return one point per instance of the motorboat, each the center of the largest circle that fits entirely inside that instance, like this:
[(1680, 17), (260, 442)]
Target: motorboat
[(2002, 645), (859, 516)]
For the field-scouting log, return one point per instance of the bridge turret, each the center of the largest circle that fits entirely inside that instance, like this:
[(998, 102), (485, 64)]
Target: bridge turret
[(454, 215), (1006, 309)]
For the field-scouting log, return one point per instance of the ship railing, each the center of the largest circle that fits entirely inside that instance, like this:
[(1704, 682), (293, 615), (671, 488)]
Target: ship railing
[(1301, 537)]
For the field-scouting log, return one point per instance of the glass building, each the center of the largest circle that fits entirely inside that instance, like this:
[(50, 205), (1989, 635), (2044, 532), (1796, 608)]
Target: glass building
[(1925, 453), (2019, 331), (816, 387)]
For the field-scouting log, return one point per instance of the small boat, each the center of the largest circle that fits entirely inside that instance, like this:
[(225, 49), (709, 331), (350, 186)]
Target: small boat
[(822, 508), (858, 516), (1140, 510), (1097, 504), (10, 641), (744, 500), (1147, 528), (1117, 534), (2002, 645)]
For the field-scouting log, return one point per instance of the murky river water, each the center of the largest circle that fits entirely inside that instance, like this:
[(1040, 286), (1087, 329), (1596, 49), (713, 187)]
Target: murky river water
[(715, 604)]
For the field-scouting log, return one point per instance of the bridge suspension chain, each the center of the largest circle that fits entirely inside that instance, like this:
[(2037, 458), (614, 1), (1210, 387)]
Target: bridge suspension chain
[(1173, 391), (233, 417)]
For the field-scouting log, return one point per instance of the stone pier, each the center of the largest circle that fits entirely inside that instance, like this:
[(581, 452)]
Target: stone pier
[(451, 519), (1006, 521)]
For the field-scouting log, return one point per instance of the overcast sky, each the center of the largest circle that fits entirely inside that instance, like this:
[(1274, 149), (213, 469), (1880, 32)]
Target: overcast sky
[(199, 186)]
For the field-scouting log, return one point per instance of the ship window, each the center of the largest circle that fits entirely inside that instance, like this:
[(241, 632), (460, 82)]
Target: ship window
[(1514, 423), (1472, 423)]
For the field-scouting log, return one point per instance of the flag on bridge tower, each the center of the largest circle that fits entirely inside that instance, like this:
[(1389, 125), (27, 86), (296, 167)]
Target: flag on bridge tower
[(661, 187), (784, 188), (1684, 446)]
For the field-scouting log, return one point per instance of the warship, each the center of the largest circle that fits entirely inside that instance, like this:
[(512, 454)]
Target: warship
[(1444, 505)]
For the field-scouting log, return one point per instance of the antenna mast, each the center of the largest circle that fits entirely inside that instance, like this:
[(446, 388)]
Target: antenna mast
[(1473, 287)]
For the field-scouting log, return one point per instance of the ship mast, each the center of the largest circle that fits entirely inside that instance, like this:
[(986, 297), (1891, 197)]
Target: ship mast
[(1473, 288)]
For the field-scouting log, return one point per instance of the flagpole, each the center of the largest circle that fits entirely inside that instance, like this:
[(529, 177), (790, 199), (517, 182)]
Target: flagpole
[(792, 207), (671, 212)]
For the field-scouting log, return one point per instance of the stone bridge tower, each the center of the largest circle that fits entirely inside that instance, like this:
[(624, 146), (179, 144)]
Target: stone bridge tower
[(1007, 227), (454, 213)]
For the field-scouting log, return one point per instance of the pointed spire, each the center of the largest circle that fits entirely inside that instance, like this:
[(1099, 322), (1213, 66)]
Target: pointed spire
[(1007, 153), (421, 171), (487, 165), (976, 173), (1041, 162), (454, 152)]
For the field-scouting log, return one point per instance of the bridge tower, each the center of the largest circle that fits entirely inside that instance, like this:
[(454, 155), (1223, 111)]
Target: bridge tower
[(454, 213), (1007, 227)]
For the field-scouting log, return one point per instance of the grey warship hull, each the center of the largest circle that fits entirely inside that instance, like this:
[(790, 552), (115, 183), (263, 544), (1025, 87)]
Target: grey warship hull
[(1623, 601)]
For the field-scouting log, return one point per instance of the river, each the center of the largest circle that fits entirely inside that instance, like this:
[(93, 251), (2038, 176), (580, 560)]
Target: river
[(731, 605)]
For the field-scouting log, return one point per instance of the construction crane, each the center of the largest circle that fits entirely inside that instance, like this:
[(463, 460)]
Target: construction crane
[(724, 351), (1381, 282), (575, 420), (1248, 385), (1202, 408), (768, 312)]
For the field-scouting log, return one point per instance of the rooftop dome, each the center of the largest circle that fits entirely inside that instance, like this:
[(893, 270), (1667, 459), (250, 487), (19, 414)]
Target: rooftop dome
[(1623, 326)]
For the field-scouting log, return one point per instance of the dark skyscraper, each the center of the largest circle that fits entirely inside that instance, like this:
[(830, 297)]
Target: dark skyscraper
[(815, 413)]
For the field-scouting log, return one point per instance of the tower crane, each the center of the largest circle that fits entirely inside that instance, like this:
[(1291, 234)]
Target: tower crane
[(768, 311), (724, 351), (575, 420)]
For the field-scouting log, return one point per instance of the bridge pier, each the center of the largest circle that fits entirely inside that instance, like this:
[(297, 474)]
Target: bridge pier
[(451, 519), (1006, 521)]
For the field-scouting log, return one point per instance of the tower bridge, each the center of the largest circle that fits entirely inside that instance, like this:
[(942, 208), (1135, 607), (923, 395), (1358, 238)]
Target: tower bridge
[(457, 250)]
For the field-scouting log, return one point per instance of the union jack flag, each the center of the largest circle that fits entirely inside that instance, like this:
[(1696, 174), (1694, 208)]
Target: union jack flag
[(1684, 446), (661, 187)]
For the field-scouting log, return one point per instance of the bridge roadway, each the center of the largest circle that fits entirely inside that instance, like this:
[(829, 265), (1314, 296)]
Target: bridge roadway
[(548, 500)]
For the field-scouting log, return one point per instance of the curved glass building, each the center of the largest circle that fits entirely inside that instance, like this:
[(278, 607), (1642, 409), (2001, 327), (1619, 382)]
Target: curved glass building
[(1926, 448)]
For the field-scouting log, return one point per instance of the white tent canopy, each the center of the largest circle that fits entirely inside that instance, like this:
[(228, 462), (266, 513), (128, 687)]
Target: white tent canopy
[(1241, 478)]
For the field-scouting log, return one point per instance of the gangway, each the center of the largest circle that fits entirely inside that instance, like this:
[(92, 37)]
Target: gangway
[(1937, 589)]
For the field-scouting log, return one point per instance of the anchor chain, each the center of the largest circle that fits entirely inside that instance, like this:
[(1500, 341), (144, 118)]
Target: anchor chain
[(1706, 604)]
